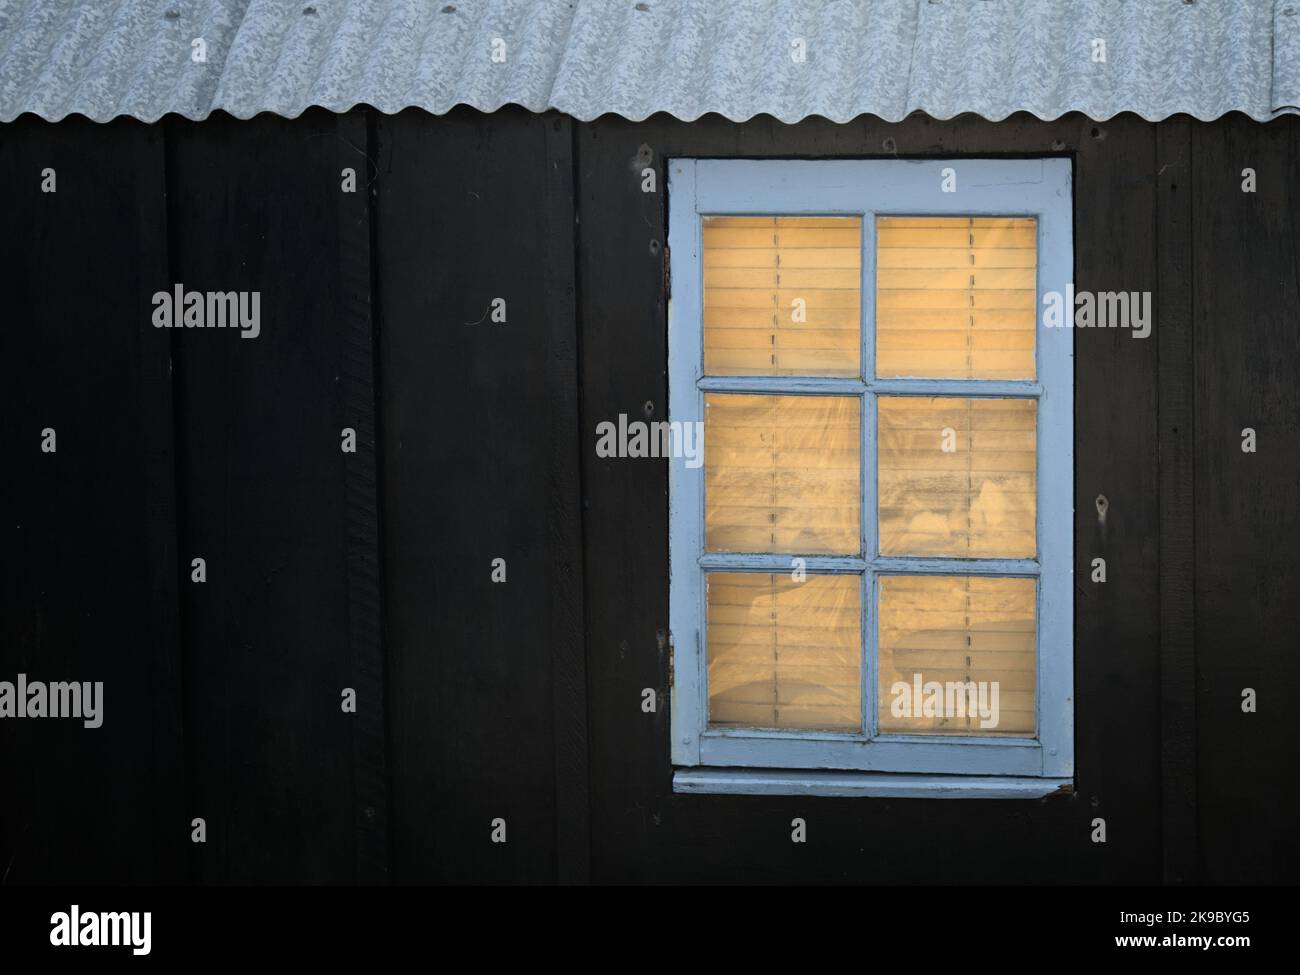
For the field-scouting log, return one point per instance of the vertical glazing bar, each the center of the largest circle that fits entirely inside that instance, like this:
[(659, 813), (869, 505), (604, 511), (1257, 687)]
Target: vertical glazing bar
[(870, 532), (868, 303), (870, 643)]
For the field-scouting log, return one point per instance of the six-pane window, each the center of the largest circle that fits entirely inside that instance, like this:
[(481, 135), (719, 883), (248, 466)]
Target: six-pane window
[(867, 569)]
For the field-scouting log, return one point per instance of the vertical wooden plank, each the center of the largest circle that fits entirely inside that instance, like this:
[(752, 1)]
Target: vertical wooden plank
[(1116, 623), (1247, 579), (623, 321), (171, 830), (468, 429), (85, 587), (360, 484), (255, 206), (564, 510), (1175, 344)]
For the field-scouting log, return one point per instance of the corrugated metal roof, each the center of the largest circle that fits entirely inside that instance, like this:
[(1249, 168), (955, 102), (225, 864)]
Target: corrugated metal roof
[(104, 58)]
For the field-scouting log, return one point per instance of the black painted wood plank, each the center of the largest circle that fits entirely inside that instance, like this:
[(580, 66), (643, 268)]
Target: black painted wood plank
[(1247, 304), (564, 514), (88, 529), (467, 443), (1175, 345), (353, 160), (255, 206)]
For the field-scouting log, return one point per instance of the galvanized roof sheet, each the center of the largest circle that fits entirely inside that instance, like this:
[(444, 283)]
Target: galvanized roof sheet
[(740, 58)]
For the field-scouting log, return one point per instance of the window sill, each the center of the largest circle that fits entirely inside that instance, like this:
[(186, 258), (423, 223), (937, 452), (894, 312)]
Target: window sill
[(876, 785)]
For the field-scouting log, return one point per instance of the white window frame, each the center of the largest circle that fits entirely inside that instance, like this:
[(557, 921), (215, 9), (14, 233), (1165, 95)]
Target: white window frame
[(804, 762)]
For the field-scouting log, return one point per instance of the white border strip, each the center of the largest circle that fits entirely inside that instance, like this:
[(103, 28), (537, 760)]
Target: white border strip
[(761, 782)]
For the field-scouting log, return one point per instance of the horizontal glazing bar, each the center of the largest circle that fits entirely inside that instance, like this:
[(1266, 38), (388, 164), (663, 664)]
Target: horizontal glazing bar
[(780, 384), (953, 387), (724, 561), (925, 566)]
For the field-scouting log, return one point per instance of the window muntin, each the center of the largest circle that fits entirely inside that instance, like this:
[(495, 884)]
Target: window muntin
[(953, 568)]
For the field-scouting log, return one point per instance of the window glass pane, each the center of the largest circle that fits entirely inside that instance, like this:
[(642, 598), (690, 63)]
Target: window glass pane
[(957, 476), (784, 654), (957, 655), (782, 296), (956, 297), (782, 474)]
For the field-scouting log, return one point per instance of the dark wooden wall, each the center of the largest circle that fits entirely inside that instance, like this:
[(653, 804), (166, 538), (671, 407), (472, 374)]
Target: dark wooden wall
[(521, 700)]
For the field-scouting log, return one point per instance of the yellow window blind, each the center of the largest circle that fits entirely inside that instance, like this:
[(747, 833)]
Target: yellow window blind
[(957, 476), (956, 297), (784, 654), (782, 474), (958, 630), (782, 296)]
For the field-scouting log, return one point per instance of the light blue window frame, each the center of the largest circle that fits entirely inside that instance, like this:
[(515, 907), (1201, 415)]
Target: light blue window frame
[(869, 763)]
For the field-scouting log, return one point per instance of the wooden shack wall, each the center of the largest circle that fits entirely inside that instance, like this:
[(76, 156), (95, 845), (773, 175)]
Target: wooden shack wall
[(521, 700)]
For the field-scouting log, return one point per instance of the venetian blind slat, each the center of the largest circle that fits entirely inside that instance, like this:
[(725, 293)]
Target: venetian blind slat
[(782, 296), (784, 654), (956, 297)]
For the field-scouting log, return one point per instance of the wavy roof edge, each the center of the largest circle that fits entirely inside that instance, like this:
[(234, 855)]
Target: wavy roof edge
[(788, 59), (343, 109)]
